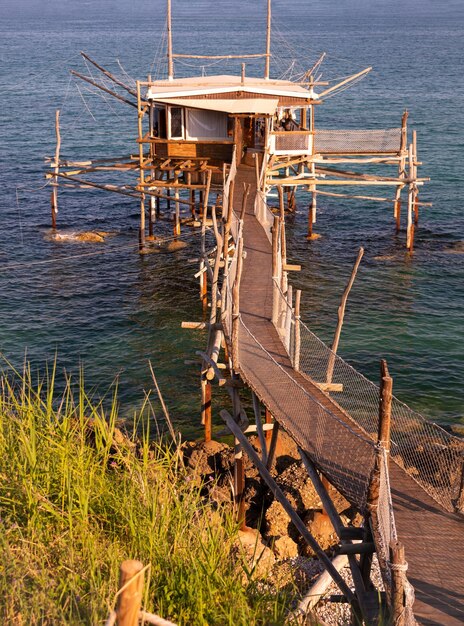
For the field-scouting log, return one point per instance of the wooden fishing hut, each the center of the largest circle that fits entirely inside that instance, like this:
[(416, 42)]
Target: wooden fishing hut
[(188, 129), (195, 124)]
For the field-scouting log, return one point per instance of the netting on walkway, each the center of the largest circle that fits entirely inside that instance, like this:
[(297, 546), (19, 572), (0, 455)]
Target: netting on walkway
[(358, 141)]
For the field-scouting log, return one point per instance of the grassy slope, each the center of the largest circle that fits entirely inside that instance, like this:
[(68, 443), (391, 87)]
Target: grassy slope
[(74, 504)]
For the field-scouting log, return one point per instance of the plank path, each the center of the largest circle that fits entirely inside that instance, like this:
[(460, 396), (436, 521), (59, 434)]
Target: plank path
[(433, 538)]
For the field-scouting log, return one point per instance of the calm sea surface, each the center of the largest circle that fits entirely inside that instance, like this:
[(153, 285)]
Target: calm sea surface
[(105, 308)]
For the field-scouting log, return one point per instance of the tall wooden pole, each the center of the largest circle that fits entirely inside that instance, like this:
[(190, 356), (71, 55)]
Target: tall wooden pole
[(401, 169), (268, 41), (140, 114), (54, 196), (170, 57)]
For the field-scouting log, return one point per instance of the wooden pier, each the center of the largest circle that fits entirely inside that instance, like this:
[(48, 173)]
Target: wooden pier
[(333, 444)]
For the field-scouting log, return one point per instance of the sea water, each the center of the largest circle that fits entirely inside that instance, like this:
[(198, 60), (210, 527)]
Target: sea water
[(104, 308)]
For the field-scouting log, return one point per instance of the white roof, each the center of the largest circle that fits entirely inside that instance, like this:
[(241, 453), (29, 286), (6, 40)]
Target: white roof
[(204, 85), (264, 106)]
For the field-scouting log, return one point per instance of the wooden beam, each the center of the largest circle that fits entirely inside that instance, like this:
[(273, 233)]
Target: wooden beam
[(102, 88), (109, 75)]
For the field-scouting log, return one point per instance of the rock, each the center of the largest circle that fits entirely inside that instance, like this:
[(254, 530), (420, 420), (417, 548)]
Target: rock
[(212, 458), (258, 558), (277, 522), (90, 237), (285, 548), (173, 246), (320, 526)]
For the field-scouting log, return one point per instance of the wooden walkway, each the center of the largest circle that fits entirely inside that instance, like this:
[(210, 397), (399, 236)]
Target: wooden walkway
[(433, 538)]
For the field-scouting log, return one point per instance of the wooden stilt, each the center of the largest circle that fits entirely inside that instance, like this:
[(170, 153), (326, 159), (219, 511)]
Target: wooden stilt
[(268, 419), (273, 445), (297, 343), (280, 193), (142, 222), (206, 406), (398, 212), (310, 220), (177, 214), (54, 194), (151, 215)]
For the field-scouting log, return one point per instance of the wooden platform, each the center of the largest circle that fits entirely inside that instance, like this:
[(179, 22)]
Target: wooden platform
[(433, 538)]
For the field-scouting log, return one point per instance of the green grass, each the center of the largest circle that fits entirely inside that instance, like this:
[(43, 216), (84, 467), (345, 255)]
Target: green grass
[(75, 501)]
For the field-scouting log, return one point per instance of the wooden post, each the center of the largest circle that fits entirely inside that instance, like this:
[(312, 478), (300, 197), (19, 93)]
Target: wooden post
[(268, 41), (177, 214), (341, 315), (170, 57), (385, 402), (151, 215), (280, 193), (410, 228), (236, 305), (296, 358), (288, 317), (268, 420), (273, 445), (416, 197), (130, 599), (140, 114), (283, 255), (206, 405), (397, 599), (275, 277), (204, 286), (401, 169), (54, 195)]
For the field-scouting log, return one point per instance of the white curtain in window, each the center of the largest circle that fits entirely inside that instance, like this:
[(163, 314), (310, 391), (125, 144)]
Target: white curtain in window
[(206, 124)]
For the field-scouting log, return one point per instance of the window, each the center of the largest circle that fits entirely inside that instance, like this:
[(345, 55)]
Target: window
[(159, 122), (203, 124), (176, 123)]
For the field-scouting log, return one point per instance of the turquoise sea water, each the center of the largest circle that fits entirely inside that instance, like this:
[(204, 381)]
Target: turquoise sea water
[(103, 306)]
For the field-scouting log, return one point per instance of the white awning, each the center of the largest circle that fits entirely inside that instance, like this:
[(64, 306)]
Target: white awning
[(263, 106)]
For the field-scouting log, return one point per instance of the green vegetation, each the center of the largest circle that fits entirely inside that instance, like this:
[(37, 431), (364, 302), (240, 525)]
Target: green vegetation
[(76, 499)]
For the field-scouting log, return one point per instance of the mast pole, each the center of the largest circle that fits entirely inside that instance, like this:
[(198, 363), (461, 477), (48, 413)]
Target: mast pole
[(268, 41), (170, 57)]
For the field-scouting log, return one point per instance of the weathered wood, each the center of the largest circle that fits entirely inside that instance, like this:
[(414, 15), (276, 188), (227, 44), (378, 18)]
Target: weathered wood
[(268, 41), (130, 596), (236, 305), (275, 276), (385, 403), (398, 563), (109, 75), (273, 445), (296, 356), (102, 88), (341, 315), (54, 195), (206, 403)]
